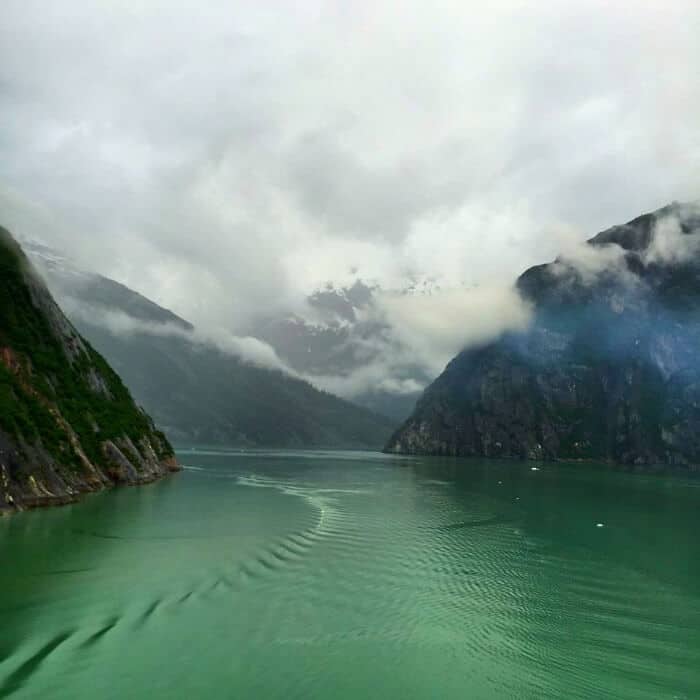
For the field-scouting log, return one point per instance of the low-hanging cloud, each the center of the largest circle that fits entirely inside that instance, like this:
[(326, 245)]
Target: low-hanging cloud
[(590, 262), (416, 335), (670, 243), (671, 240), (436, 327), (373, 378), (245, 348)]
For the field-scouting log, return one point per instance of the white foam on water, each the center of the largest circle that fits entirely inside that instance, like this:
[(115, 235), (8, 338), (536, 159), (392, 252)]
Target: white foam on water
[(323, 504)]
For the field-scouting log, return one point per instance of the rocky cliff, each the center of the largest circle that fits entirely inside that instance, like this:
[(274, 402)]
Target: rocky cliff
[(67, 423), (609, 368)]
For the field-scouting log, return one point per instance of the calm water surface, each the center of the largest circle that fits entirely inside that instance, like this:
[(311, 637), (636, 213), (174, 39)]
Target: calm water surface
[(354, 575)]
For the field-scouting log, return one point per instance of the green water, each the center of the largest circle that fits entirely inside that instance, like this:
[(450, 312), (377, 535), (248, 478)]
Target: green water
[(346, 575)]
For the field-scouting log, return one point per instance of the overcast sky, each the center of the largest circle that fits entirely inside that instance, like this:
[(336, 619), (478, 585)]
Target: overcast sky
[(225, 158)]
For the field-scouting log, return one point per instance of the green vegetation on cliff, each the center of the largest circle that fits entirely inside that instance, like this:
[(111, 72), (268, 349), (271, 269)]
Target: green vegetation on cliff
[(60, 402)]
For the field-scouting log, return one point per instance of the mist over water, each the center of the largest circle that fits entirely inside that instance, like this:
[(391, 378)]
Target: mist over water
[(312, 574)]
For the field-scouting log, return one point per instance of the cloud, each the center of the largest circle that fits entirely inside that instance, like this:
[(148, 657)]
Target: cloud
[(436, 327), (590, 262), (371, 379), (250, 350), (226, 160), (672, 240), (415, 335), (670, 243)]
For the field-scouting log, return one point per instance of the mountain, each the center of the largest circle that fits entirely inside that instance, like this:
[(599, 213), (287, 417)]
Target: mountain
[(67, 423), (197, 392), (608, 369), (338, 337), (103, 295)]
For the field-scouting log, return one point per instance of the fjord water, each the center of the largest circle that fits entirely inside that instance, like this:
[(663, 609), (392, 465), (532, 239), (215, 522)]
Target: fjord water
[(356, 575)]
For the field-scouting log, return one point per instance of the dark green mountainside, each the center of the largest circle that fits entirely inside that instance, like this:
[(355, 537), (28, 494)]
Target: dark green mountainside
[(199, 394), (67, 422), (196, 392), (609, 368)]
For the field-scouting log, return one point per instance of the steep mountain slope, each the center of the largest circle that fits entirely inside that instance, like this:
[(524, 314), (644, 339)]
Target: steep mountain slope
[(196, 392), (200, 394), (67, 423), (607, 370)]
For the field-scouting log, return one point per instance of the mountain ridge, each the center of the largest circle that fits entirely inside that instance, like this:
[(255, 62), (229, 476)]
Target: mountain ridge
[(606, 371)]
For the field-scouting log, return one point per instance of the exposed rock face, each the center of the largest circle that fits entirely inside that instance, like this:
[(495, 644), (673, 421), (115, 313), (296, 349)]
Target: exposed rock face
[(609, 368), (67, 423)]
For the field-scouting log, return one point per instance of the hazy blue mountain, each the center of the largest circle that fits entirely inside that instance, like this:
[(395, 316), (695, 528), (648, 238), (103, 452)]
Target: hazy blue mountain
[(608, 369)]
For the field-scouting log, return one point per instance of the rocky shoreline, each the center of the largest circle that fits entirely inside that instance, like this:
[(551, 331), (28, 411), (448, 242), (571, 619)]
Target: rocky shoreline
[(30, 478)]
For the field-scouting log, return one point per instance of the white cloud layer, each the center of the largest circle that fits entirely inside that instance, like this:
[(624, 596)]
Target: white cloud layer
[(669, 244), (226, 158), (436, 327)]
